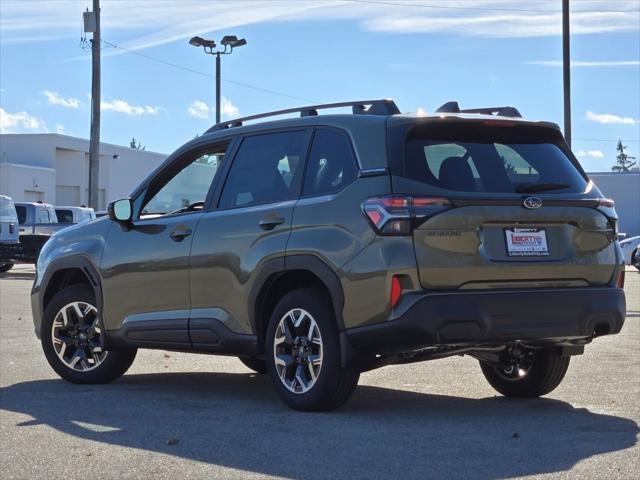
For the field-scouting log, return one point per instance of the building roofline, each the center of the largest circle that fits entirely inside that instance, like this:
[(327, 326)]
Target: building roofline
[(72, 138)]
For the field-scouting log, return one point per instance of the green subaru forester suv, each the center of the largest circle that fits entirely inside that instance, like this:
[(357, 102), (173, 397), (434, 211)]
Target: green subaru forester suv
[(316, 247)]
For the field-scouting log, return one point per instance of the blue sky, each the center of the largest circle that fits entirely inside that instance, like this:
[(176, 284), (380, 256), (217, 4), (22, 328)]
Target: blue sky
[(479, 52)]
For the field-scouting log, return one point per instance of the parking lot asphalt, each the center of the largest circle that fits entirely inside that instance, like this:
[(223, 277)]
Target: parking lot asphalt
[(177, 415)]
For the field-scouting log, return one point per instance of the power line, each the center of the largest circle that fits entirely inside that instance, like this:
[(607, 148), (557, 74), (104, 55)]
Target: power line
[(481, 9), (198, 72), (604, 140)]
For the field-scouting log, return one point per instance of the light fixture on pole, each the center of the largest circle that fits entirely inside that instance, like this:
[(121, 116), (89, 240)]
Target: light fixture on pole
[(229, 42)]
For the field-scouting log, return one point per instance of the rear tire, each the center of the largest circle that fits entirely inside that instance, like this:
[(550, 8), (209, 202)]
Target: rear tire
[(258, 365), (5, 267), (72, 339), (303, 335), (546, 371)]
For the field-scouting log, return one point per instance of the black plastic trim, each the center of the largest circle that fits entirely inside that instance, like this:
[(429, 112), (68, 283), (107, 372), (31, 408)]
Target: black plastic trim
[(557, 316)]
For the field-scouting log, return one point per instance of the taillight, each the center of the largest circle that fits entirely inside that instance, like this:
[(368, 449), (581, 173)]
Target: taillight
[(620, 282), (606, 206), (396, 214), (396, 290)]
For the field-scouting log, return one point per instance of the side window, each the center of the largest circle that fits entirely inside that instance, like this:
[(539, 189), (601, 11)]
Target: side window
[(42, 215), (267, 168), (64, 216), (186, 190), (332, 164), (22, 214)]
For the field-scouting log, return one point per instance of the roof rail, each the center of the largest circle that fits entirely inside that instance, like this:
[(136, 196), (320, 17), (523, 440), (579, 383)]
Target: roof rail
[(370, 107), (453, 107)]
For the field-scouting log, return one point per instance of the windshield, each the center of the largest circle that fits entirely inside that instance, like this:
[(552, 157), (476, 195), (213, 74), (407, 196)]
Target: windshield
[(480, 157)]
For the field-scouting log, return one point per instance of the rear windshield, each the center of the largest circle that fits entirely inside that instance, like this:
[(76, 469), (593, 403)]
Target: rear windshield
[(491, 158)]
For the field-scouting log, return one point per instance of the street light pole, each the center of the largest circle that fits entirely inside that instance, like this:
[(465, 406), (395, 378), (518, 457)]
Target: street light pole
[(229, 42), (566, 70), (218, 64)]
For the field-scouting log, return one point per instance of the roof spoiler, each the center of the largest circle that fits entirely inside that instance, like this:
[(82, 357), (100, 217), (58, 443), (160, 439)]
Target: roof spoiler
[(453, 107)]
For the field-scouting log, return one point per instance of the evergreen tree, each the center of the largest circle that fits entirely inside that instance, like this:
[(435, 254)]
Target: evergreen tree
[(136, 145), (623, 161)]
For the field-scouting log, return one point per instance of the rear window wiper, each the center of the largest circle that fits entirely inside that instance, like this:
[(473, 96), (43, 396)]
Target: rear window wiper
[(540, 187)]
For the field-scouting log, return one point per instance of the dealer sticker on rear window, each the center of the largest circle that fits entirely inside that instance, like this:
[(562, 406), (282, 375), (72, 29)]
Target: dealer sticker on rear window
[(526, 242)]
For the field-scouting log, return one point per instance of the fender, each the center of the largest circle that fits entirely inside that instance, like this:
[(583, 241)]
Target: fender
[(270, 270), (78, 261)]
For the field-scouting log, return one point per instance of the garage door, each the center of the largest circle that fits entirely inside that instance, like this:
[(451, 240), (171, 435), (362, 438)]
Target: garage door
[(67, 195)]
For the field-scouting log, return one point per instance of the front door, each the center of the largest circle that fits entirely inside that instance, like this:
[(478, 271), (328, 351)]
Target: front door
[(146, 265), (251, 225)]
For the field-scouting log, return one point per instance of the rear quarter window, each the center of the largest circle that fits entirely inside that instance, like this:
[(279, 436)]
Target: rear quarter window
[(483, 158)]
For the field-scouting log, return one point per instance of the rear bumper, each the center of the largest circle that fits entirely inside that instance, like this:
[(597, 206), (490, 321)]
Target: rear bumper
[(13, 253), (554, 316)]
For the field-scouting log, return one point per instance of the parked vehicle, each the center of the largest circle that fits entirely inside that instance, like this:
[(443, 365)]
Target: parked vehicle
[(8, 233), (74, 214), (318, 247), (37, 222), (631, 251)]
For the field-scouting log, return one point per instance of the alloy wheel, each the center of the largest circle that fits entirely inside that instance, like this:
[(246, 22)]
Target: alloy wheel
[(76, 336), (297, 350)]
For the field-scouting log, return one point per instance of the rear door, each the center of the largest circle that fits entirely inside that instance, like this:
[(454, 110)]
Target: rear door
[(520, 212), (251, 225)]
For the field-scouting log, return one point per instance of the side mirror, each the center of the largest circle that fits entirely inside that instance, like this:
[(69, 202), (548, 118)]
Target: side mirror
[(120, 210)]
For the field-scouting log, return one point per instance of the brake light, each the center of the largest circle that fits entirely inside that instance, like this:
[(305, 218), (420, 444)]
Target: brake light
[(396, 291), (620, 282), (396, 214)]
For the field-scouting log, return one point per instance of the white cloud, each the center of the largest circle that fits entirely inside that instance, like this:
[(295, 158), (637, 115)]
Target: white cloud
[(198, 109), (121, 106), (228, 109), (54, 98), (20, 122), (558, 63), (606, 118), (421, 111), (60, 129), (590, 154), (171, 21)]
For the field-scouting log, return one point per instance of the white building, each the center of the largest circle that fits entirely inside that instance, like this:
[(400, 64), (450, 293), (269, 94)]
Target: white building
[(54, 168), (624, 188)]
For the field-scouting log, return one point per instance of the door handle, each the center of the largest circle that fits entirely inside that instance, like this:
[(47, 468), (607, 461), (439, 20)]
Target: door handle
[(270, 223), (179, 235)]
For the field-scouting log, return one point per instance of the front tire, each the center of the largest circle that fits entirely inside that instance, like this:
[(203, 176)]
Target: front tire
[(5, 267), (72, 339), (302, 351), (542, 373)]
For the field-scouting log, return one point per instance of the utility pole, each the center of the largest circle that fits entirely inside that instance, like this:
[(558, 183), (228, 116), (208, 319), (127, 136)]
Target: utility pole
[(94, 139), (566, 70)]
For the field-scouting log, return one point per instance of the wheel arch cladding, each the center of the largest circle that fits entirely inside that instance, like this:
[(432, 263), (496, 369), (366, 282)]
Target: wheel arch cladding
[(276, 279), (70, 271)]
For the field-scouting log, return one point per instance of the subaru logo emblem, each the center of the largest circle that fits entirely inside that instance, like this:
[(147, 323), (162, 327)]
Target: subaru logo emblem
[(532, 203)]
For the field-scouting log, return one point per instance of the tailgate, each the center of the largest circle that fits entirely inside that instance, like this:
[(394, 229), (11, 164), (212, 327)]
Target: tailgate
[(507, 246)]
